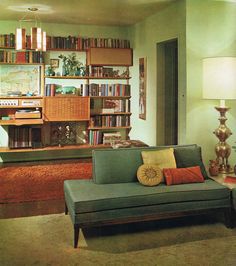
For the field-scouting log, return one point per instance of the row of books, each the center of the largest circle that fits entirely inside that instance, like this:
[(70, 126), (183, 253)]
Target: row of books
[(97, 137), (106, 90), (101, 72), (110, 121), (50, 89), (82, 43), (111, 106), (7, 40), (24, 137), (21, 57), (70, 42)]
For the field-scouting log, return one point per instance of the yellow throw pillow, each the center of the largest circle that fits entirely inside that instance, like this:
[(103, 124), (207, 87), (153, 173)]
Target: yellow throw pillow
[(149, 175), (163, 158)]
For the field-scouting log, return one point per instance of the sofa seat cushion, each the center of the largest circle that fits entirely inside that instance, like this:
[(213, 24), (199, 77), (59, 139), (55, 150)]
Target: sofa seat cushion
[(83, 196)]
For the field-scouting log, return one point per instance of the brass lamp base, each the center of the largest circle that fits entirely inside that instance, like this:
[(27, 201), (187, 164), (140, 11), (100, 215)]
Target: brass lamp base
[(222, 148)]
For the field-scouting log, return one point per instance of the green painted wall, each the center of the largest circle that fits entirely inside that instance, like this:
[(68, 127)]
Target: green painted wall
[(69, 29), (210, 32), (165, 25), (203, 28)]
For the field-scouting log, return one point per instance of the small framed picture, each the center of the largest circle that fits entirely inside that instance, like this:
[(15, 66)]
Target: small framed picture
[(54, 63)]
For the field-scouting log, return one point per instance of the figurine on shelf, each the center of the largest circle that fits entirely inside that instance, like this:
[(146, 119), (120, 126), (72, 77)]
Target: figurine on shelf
[(116, 73), (50, 71), (214, 167), (125, 74)]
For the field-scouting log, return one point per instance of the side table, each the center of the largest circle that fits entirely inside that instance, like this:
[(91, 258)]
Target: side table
[(221, 180), (232, 186)]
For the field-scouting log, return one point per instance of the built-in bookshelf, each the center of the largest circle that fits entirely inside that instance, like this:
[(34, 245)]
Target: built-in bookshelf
[(99, 108)]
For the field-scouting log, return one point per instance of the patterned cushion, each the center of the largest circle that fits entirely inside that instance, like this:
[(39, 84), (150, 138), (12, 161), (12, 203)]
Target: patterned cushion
[(149, 175)]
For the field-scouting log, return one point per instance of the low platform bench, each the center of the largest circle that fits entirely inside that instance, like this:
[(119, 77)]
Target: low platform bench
[(115, 196)]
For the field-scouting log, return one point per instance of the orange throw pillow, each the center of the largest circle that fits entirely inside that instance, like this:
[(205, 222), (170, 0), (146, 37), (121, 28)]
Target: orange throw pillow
[(175, 176)]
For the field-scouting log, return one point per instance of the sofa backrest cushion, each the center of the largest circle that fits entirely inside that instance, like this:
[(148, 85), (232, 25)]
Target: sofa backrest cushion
[(120, 165), (188, 157)]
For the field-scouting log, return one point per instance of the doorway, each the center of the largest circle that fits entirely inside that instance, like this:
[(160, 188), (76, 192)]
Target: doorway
[(167, 93)]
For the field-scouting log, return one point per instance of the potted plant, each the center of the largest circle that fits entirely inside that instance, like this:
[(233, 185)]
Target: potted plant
[(71, 66)]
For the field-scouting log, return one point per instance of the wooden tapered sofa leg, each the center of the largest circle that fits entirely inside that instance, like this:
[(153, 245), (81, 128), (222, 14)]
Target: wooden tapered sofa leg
[(66, 209), (228, 218), (76, 235)]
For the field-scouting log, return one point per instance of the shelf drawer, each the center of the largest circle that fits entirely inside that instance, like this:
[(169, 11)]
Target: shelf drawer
[(66, 108)]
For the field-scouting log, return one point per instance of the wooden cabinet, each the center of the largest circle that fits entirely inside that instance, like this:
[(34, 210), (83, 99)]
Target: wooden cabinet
[(66, 108), (110, 57)]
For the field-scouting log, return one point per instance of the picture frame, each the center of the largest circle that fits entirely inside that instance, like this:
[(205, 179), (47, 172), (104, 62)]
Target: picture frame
[(142, 87), (54, 63), (18, 80)]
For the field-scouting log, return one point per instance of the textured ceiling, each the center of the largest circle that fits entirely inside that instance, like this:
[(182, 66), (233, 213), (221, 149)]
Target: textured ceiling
[(96, 12)]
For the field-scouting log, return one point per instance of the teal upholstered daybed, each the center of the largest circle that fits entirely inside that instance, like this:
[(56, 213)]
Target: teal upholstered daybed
[(114, 194)]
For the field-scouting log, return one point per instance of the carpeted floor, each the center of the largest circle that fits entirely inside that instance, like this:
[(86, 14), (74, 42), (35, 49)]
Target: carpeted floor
[(47, 240), (40, 180)]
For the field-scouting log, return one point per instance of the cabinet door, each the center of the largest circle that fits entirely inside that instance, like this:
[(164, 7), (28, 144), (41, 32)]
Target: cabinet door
[(66, 108), (110, 57)]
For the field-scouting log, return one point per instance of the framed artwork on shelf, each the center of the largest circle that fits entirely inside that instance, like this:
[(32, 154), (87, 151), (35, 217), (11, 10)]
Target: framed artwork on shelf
[(18, 80), (142, 87), (54, 63)]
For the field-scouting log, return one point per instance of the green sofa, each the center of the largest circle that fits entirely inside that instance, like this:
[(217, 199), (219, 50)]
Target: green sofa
[(115, 196)]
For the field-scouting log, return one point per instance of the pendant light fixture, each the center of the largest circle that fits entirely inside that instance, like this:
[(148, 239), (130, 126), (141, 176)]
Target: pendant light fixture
[(37, 38)]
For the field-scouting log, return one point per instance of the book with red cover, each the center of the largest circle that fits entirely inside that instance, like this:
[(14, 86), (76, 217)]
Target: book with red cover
[(230, 179), (21, 57)]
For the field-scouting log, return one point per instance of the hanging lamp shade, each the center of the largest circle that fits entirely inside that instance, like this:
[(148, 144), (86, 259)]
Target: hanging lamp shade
[(20, 39), (36, 38), (44, 41)]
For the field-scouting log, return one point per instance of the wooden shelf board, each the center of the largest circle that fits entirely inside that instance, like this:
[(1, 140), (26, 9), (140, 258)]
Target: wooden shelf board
[(7, 47), (20, 97), (86, 77), (96, 128), (66, 77), (116, 113), (65, 49), (55, 148), (124, 78), (67, 119), (21, 122), (38, 64), (110, 97)]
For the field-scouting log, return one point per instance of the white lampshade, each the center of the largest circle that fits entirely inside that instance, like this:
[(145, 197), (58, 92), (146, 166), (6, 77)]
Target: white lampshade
[(219, 78), (20, 39)]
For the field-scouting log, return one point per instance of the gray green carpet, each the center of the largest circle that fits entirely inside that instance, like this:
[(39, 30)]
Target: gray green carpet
[(48, 239)]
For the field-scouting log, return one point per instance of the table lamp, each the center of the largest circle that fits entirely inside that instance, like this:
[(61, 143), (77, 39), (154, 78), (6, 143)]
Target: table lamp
[(219, 82)]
